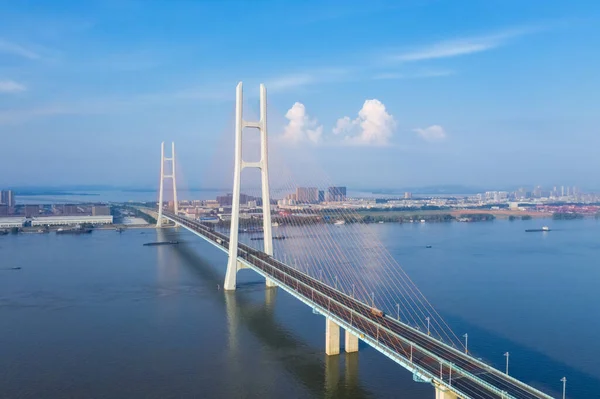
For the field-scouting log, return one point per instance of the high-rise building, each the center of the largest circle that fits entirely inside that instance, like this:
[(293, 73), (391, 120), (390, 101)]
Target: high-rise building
[(307, 195), (321, 196), (7, 197), (407, 195), (3, 210), (336, 194)]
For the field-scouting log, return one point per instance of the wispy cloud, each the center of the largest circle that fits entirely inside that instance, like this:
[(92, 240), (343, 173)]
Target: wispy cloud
[(432, 133), (416, 75), (22, 115), (462, 46), (293, 81), (10, 86), (290, 81), (15, 49)]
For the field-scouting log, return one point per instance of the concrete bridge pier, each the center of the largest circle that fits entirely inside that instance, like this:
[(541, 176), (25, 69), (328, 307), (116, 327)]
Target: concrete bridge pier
[(350, 342), (441, 392), (332, 337)]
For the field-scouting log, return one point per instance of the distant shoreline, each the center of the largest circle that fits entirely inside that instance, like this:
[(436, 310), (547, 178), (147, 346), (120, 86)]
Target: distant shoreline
[(52, 193)]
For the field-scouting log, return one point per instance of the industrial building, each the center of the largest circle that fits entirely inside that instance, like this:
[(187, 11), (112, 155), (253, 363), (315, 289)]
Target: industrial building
[(9, 223), (70, 220), (100, 210)]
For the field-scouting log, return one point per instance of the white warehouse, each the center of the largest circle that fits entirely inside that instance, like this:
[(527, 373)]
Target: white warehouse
[(70, 220), (9, 223)]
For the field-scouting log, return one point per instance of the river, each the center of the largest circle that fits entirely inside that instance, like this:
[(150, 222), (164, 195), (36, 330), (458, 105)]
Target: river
[(102, 316)]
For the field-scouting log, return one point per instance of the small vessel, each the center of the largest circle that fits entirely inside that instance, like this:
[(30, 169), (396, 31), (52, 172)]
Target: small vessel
[(339, 222), (427, 246), (545, 228), (262, 238), (76, 230), (380, 222), (152, 244)]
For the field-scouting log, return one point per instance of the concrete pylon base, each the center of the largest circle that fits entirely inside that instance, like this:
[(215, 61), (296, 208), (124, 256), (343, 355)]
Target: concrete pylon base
[(442, 392), (332, 337), (350, 342), (270, 283)]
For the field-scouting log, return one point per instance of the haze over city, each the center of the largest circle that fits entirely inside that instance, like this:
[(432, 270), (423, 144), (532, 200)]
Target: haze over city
[(491, 94)]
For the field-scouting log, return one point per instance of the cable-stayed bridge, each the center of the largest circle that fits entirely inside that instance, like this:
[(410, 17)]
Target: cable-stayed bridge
[(417, 338)]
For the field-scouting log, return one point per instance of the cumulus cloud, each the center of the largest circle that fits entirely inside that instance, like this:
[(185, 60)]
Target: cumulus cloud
[(373, 126), (431, 133), (9, 86), (301, 128)]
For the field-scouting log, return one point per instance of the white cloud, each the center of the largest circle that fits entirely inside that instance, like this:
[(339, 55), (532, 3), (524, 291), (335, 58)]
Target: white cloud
[(431, 133), (464, 46), (300, 127), (12, 48), (373, 126), (9, 86)]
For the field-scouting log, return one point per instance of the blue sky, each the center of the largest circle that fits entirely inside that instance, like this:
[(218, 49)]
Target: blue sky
[(377, 94)]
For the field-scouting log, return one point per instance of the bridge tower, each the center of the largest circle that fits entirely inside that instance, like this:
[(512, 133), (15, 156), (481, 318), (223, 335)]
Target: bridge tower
[(171, 176), (239, 164)]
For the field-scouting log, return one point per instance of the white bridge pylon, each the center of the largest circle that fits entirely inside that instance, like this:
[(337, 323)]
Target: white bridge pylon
[(239, 164), (171, 176)]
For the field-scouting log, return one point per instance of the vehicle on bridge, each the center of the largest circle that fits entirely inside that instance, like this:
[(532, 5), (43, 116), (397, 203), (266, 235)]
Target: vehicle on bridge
[(377, 312)]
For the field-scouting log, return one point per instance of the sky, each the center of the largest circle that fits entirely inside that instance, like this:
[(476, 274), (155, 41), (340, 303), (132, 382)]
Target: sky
[(377, 94)]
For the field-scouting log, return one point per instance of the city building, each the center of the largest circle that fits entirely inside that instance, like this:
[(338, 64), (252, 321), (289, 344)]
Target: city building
[(321, 196), (407, 195), (3, 210), (9, 223), (70, 220), (100, 210), (65, 209), (7, 197), (31, 211), (336, 194), (227, 200), (307, 195)]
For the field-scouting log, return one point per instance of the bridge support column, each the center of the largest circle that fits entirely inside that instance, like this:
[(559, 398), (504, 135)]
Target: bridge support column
[(332, 337), (350, 342), (441, 392), (159, 219), (239, 165)]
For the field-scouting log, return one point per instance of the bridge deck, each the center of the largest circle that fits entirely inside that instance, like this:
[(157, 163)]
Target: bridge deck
[(454, 369)]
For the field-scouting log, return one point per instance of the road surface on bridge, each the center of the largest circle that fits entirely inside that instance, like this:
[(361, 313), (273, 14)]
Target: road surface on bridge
[(461, 371)]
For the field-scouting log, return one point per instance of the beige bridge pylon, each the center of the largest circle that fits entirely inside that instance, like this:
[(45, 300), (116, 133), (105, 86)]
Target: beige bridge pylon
[(171, 176), (239, 164)]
